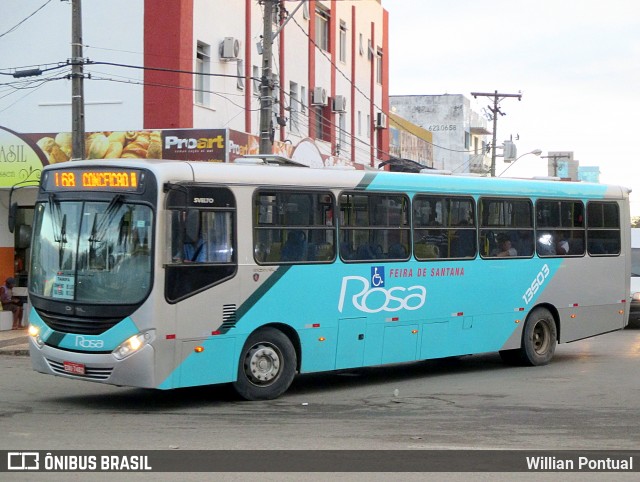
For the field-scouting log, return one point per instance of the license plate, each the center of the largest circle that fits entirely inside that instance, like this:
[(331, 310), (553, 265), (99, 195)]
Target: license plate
[(74, 368)]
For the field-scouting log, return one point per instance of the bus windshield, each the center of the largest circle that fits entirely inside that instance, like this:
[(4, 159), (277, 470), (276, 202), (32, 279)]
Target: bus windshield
[(92, 251)]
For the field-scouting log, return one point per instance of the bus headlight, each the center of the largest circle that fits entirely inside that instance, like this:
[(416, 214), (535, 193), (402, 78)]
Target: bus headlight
[(34, 333), (132, 345)]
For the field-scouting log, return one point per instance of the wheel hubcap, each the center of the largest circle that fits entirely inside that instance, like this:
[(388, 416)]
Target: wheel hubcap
[(262, 364), (541, 338)]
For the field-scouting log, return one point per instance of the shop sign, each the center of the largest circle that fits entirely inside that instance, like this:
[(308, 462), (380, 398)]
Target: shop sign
[(20, 161)]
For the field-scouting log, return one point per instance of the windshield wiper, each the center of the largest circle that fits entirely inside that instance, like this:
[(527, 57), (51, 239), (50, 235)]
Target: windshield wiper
[(98, 232), (57, 219), (63, 240)]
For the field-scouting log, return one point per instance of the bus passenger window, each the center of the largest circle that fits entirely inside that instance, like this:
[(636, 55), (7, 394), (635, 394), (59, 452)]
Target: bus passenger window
[(559, 228), (376, 225), (293, 227), (506, 227), (444, 227), (603, 228)]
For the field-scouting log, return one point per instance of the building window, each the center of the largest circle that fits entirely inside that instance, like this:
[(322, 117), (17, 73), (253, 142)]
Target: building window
[(361, 45), (379, 66), (318, 121), (240, 80), (203, 69), (294, 107), (343, 41), (303, 99), (342, 133), (322, 29)]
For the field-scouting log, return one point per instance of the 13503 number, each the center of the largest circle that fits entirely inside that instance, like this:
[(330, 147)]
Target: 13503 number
[(537, 282)]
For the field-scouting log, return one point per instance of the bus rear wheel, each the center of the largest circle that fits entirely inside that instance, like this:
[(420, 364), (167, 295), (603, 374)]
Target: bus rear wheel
[(539, 338), (539, 341), (267, 365)]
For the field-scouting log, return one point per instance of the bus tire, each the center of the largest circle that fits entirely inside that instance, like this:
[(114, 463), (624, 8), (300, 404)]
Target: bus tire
[(539, 338), (267, 365)]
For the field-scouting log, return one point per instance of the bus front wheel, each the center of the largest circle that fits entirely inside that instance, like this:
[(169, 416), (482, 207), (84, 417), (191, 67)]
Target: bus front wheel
[(539, 338), (267, 365)]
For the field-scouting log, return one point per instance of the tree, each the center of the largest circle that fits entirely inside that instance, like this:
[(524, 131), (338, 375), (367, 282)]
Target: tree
[(635, 221)]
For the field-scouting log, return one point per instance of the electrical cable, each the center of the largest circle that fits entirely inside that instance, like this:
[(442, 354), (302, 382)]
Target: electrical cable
[(25, 19)]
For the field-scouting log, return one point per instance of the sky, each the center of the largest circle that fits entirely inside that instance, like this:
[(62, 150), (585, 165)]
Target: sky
[(576, 63)]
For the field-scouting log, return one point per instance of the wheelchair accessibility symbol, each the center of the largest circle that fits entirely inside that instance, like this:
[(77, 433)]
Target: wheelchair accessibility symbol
[(377, 276)]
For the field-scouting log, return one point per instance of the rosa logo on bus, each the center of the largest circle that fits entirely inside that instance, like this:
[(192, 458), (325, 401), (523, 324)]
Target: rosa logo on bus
[(373, 296)]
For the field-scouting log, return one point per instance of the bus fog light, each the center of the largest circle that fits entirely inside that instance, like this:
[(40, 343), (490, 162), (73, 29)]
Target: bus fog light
[(132, 345)]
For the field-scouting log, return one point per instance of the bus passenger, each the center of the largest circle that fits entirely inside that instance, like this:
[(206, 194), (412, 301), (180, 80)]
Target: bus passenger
[(504, 248), (562, 245), (194, 252), (546, 245)]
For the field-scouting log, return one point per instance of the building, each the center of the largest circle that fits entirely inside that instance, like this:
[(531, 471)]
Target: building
[(459, 133), (589, 173), (562, 164), (152, 66), (409, 142), (198, 64)]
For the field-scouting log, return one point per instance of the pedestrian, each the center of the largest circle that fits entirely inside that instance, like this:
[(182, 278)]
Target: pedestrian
[(10, 302)]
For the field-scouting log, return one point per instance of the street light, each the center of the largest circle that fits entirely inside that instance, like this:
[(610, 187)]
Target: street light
[(535, 152)]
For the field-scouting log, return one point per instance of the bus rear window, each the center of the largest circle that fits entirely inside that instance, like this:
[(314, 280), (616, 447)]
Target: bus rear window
[(603, 228)]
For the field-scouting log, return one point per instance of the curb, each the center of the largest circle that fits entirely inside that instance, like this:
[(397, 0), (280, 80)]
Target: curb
[(15, 352)]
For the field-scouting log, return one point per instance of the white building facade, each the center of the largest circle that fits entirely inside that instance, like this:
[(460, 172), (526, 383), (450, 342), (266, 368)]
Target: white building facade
[(156, 67), (153, 64), (459, 134)]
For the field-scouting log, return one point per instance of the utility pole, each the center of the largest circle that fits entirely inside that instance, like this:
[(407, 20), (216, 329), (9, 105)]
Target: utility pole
[(555, 158), (495, 110), (266, 85), (77, 83)]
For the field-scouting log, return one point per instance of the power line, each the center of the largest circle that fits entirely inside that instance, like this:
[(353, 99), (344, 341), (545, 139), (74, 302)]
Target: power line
[(162, 69), (25, 19)]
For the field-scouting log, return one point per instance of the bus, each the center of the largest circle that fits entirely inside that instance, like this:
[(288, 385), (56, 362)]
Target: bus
[(168, 274)]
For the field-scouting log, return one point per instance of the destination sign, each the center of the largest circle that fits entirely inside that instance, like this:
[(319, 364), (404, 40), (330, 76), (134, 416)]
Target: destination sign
[(79, 179)]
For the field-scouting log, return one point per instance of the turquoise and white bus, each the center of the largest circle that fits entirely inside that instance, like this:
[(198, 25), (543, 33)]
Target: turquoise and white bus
[(168, 274)]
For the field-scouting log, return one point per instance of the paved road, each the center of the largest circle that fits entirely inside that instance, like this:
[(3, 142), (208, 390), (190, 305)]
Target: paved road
[(588, 398)]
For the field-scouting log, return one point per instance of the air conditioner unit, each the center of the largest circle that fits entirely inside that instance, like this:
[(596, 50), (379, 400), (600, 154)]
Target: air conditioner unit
[(381, 120), (230, 48), (339, 103), (319, 96)]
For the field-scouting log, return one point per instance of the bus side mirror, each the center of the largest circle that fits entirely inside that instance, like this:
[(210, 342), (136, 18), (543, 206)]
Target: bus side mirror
[(192, 226), (13, 211)]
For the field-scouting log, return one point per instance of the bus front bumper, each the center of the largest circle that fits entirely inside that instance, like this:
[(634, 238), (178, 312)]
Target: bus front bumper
[(137, 370)]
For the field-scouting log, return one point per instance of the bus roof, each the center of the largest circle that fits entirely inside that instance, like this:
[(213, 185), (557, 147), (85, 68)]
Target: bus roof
[(371, 180)]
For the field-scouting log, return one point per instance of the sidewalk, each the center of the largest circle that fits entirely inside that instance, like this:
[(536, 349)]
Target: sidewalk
[(14, 342)]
